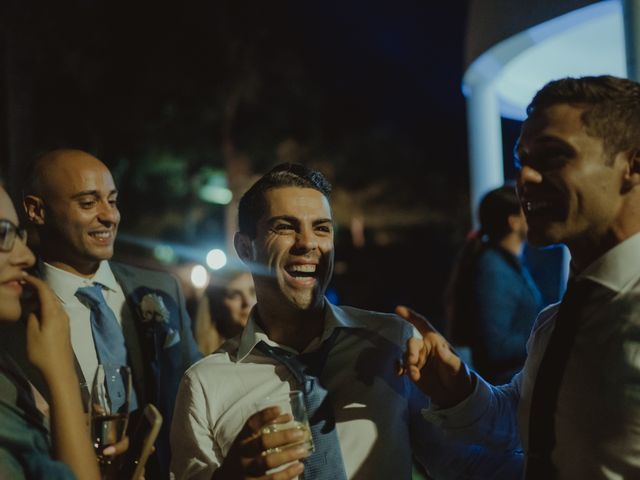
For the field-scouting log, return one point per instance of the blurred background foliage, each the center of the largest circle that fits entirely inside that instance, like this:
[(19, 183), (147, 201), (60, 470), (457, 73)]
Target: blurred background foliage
[(167, 94)]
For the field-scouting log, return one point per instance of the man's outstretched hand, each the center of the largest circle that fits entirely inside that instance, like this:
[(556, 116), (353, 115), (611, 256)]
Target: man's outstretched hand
[(432, 364)]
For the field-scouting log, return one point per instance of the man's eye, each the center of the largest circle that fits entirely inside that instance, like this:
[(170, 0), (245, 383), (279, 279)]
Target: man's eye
[(557, 160), (547, 159), (547, 162), (323, 229), (87, 204), (283, 227), (113, 202)]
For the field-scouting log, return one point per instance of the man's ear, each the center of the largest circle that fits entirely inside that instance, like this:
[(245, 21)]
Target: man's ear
[(34, 209), (243, 246), (631, 170)]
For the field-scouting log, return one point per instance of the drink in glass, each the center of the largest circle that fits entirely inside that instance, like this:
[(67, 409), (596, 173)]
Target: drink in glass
[(109, 406)]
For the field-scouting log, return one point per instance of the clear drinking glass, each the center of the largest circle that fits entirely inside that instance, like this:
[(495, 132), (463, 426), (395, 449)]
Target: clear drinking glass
[(293, 403), (109, 407)]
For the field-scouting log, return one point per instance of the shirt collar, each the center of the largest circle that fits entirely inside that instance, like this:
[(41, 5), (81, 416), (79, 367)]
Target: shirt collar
[(618, 267), (65, 284), (334, 317)]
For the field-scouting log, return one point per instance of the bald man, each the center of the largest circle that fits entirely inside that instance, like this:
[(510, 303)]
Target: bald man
[(71, 199)]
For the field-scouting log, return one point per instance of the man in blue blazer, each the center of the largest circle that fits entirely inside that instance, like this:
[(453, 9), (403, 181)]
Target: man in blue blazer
[(71, 198)]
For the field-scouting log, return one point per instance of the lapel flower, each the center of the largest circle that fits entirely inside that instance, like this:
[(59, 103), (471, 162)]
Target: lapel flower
[(153, 309)]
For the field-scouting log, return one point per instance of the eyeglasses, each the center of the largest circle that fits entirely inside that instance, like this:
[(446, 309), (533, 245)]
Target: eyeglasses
[(8, 233)]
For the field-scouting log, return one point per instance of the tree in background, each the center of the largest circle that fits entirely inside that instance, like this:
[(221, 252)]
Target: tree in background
[(165, 93)]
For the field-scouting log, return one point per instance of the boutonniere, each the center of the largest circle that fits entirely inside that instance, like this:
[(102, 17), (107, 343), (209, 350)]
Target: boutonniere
[(153, 309), (155, 314)]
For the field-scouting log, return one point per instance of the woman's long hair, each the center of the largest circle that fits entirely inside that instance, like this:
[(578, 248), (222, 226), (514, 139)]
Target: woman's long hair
[(211, 325), (495, 209)]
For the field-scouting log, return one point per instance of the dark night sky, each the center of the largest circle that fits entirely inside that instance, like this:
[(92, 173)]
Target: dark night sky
[(372, 86), (410, 48), (401, 62), (119, 77)]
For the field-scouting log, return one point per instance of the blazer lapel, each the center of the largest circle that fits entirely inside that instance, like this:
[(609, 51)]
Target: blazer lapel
[(128, 317), (85, 389)]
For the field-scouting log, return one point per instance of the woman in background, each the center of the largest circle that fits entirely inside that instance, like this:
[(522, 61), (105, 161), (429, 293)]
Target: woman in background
[(26, 449), (492, 300), (224, 309)]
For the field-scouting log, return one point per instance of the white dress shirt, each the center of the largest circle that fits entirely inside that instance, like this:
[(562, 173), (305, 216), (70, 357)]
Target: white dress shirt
[(597, 420), (65, 285), (378, 414)]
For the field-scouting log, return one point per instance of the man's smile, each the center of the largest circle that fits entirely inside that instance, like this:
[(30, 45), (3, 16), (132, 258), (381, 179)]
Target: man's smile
[(103, 236), (301, 274)]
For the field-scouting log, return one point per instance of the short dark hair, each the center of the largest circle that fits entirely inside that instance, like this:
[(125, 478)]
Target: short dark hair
[(495, 209), (611, 107), (252, 205)]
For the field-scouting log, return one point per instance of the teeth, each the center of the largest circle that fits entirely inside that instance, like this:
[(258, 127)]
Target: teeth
[(302, 268), (532, 206), (101, 234)]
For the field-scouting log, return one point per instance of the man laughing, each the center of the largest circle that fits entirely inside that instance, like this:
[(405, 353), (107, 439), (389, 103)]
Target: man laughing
[(575, 406), (365, 420)]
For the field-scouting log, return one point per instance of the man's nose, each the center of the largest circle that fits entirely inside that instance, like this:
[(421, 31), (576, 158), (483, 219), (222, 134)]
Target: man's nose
[(108, 213), (529, 174), (306, 239)]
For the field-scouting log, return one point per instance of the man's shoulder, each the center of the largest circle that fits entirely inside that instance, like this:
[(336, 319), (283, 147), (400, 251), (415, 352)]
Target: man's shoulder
[(389, 325), (217, 358), (140, 275), (134, 270), (214, 368), (360, 314)]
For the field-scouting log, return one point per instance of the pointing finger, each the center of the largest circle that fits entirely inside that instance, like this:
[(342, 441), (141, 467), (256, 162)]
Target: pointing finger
[(414, 318)]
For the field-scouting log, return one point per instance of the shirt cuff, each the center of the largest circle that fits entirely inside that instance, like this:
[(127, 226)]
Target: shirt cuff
[(465, 413)]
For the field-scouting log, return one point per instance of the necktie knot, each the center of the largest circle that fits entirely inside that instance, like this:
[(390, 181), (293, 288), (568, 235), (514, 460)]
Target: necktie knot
[(92, 295)]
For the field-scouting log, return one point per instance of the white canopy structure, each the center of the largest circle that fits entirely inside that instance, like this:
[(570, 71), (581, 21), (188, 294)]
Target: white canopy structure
[(513, 48)]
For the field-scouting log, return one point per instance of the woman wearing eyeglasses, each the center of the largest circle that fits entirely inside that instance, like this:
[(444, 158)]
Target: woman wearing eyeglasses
[(28, 449)]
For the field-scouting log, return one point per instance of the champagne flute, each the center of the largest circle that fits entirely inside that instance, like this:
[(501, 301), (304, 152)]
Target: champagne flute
[(109, 407)]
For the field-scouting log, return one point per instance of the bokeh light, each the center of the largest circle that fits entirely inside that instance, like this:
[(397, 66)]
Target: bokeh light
[(216, 259), (199, 276)]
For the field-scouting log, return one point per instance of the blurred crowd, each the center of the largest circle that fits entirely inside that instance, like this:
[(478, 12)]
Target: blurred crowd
[(104, 373)]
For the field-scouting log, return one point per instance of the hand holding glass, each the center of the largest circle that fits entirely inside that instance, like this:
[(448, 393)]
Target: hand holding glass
[(109, 406), (293, 404)]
